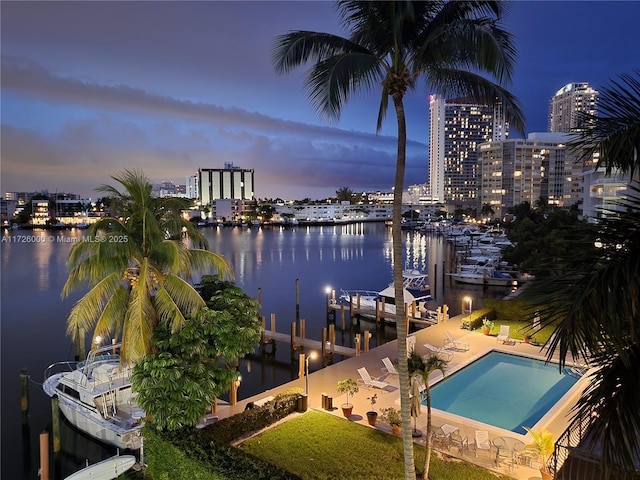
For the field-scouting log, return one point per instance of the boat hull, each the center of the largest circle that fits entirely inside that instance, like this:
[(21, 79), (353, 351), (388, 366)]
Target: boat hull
[(105, 470), (483, 280)]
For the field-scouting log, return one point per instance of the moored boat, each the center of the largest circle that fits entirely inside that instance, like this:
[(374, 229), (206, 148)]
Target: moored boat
[(415, 289), (485, 276), (105, 470), (95, 396)]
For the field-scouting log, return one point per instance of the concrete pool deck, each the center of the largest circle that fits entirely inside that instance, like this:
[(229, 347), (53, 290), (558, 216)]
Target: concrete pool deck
[(325, 380)]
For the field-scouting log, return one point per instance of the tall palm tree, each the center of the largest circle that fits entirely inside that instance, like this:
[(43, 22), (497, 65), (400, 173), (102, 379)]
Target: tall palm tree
[(392, 45), (425, 366), (137, 267), (592, 298)]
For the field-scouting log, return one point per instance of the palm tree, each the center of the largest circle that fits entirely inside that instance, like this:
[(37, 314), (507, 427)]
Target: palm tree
[(592, 298), (137, 268), (449, 44), (425, 366)]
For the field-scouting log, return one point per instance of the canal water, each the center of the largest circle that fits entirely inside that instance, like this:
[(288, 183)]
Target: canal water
[(266, 260)]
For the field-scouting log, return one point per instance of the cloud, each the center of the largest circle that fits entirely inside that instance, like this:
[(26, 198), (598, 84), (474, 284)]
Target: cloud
[(101, 129)]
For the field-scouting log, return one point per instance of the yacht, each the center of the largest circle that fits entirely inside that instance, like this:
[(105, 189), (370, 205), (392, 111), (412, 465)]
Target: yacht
[(95, 396)]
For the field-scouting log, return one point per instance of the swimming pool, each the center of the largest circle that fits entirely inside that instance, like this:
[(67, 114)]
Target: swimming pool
[(503, 390)]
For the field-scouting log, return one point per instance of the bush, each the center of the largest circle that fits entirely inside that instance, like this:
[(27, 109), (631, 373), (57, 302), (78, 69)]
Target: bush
[(206, 454), (476, 318)]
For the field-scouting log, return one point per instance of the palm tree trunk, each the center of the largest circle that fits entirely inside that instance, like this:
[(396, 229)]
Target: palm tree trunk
[(427, 457), (401, 321)]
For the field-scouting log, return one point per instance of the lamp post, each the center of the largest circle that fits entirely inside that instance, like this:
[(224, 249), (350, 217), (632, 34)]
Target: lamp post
[(306, 371), (469, 299)]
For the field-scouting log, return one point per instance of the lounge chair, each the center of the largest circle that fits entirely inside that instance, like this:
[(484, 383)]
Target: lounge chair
[(451, 343), (482, 443), (389, 368), (441, 352), (411, 344), (503, 335), (369, 382)]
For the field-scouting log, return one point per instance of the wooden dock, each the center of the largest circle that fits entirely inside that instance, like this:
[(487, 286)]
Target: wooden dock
[(309, 343), (412, 312)]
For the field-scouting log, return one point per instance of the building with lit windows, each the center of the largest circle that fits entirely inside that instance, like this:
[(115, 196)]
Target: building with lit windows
[(457, 128), (517, 170), (568, 104), (225, 183)]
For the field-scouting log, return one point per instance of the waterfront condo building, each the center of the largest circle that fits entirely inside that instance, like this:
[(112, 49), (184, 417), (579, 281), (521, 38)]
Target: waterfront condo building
[(568, 104), (457, 127), (518, 170), (229, 191)]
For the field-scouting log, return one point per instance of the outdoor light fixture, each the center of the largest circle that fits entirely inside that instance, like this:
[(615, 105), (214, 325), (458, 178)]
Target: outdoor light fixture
[(469, 299), (312, 355)]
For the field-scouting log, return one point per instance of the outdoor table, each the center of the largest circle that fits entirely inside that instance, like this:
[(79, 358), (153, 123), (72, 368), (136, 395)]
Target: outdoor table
[(508, 447)]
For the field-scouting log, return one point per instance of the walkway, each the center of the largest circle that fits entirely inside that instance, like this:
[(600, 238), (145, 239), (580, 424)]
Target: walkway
[(325, 380)]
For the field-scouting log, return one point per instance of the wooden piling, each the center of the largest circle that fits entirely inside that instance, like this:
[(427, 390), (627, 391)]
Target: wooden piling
[(302, 328), (297, 300), (55, 423), (44, 456), (78, 343), (324, 344), (301, 360), (342, 314), (24, 393), (357, 344), (367, 337), (332, 337)]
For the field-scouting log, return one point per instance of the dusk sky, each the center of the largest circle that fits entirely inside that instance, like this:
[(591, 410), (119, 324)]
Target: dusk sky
[(91, 88)]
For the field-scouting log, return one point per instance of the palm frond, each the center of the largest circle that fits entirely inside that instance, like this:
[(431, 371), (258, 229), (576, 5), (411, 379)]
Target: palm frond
[(88, 309)]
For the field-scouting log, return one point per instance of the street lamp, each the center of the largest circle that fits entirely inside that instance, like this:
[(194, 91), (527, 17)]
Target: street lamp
[(468, 299), (306, 370)]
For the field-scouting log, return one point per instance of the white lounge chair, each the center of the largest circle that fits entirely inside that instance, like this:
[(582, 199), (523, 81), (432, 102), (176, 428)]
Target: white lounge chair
[(441, 352), (453, 344), (503, 335), (369, 382), (482, 443), (389, 368)]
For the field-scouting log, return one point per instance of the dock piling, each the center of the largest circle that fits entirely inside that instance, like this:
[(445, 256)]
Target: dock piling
[(44, 456), (55, 423)]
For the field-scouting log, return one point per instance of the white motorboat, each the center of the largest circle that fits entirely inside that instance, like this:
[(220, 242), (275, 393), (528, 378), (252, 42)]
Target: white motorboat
[(415, 287), (105, 470), (484, 276), (95, 396)]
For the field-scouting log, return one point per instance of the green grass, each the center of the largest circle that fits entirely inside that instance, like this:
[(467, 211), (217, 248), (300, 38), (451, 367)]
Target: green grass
[(318, 445), (518, 329)]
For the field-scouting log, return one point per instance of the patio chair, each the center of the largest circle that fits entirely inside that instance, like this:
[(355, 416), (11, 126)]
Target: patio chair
[(451, 343), (441, 352), (369, 382), (460, 442), (503, 335), (389, 368), (439, 438), (482, 443)]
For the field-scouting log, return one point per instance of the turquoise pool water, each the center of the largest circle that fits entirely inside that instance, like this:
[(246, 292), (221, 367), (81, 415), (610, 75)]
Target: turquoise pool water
[(504, 390)]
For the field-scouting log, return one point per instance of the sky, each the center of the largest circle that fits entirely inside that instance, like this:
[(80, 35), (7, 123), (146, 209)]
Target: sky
[(89, 89)]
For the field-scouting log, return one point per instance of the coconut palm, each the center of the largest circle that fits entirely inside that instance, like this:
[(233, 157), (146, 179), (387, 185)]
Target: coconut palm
[(138, 267), (393, 45), (425, 366), (592, 297)]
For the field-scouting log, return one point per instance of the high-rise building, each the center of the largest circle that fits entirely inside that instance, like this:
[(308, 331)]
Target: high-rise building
[(457, 127), (192, 189), (516, 171), (568, 104), (230, 182)]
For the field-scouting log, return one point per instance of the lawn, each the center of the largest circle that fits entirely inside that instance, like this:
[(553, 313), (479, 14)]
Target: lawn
[(319, 445), (518, 329)]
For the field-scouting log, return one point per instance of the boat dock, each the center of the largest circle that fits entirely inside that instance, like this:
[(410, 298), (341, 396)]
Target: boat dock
[(414, 313)]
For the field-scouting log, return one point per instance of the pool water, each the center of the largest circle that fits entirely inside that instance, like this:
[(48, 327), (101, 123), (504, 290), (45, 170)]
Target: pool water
[(503, 390)]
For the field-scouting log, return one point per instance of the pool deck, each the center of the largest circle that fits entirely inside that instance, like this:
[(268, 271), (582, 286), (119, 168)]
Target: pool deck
[(325, 380)]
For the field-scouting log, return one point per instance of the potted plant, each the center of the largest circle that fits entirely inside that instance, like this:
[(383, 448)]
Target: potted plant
[(543, 444), (392, 417), (349, 387), (372, 415), (487, 325)]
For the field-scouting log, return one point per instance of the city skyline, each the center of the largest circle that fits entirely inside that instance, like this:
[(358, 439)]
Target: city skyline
[(89, 89)]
